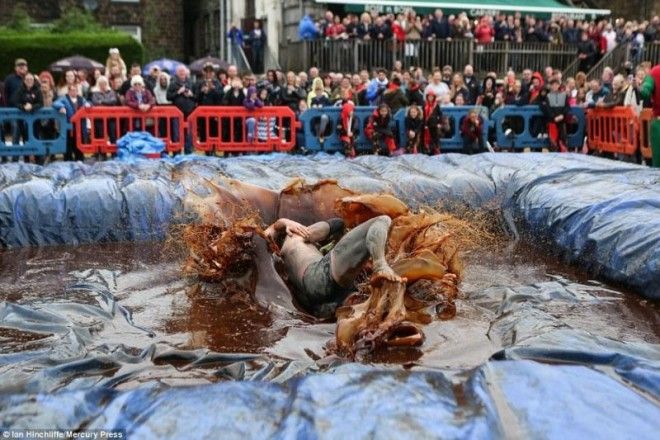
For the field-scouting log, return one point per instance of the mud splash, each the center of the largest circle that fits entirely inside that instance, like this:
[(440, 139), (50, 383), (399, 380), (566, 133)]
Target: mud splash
[(422, 248)]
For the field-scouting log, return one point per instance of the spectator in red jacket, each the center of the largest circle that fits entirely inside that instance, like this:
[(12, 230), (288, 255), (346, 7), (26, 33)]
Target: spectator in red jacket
[(484, 33), (472, 132), (138, 97)]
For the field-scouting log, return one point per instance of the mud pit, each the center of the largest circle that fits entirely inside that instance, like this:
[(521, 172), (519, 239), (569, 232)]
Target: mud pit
[(130, 299)]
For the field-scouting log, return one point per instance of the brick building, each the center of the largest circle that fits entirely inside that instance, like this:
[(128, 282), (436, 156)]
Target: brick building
[(158, 24)]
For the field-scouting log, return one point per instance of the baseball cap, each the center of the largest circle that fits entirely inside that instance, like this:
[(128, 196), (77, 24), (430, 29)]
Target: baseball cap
[(20, 62)]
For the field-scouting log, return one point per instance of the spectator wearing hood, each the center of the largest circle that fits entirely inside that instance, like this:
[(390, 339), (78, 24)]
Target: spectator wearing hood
[(414, 94), (379, 131), (472, 133), (435, 124), (251, 103), (394, 96), (535, 87), (377, 87), (348, 128), (160, 89)]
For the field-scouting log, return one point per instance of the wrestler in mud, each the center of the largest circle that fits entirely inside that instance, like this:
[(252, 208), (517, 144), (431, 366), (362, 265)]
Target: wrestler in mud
[(382, 279), (323, 282)]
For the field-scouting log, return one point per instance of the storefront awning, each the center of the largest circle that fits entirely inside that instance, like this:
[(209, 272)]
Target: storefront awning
[(540, 8)]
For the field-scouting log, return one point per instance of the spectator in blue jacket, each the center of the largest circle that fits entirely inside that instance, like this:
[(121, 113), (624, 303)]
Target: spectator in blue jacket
[(69, 105), (235, 36), (307, 28)]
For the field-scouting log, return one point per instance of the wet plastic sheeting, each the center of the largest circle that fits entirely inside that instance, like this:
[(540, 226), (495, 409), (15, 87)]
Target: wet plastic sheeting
[(111, 336), (599, 213), (570, 402)]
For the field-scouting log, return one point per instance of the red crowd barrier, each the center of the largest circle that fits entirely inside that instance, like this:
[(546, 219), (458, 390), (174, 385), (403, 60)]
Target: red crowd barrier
[(613, 130), (236, 129), (98, 128), (645, 133)]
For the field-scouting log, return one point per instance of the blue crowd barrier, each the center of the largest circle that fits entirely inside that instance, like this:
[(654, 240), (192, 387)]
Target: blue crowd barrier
[(331, 144), (455, 116), (12, 120), (528, 138)]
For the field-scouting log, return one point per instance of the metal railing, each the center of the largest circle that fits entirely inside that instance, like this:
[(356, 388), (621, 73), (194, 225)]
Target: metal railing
[(614, 59), (352, 55), (572, 69), (238, 58), (651, 53)]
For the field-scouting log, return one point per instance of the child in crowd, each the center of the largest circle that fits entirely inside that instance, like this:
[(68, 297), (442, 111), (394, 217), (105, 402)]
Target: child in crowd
[(266, 126), (414, 126), (380, 132), (347, 128), (472, 132), (251, 103), (435, 125), (115, 61)]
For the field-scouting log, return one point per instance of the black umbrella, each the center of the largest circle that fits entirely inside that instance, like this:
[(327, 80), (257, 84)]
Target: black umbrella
[(76, 62), (197, 66)]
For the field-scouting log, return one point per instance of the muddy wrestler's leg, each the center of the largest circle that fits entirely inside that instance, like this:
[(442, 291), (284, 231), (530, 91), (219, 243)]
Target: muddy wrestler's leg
[(354, 249)]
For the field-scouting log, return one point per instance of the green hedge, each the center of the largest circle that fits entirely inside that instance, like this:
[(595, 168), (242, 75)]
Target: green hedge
[(41, 48)]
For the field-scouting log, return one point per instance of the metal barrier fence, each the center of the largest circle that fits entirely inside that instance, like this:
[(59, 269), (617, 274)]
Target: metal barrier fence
[(236, 129), (613, 130), (453, 140), (98, 128), (526, 123), (651, 53), (352, 55), (40, 133)]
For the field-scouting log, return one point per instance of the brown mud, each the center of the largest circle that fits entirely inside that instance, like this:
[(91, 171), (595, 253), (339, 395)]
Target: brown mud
[(184, 314)]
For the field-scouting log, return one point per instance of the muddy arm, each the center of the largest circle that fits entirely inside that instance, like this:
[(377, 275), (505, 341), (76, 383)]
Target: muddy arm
[(321, 231), (285, 225)]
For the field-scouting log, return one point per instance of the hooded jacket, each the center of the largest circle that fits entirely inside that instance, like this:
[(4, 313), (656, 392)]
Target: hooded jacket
[(347, 120), (534, 93), (252, 104), (395, 98)]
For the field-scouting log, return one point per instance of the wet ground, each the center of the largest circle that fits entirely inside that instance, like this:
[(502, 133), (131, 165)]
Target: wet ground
[(158, 307)]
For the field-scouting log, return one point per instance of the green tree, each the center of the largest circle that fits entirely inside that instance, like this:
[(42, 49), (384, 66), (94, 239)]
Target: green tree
[(75, 19), (19, 20)]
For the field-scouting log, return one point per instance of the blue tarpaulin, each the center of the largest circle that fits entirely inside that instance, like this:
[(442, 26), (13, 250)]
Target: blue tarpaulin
[(601, 214), (547, 372)]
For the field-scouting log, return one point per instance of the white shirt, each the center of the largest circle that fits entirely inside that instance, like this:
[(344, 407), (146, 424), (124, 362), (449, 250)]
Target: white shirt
[(610, 37), (440, 90)]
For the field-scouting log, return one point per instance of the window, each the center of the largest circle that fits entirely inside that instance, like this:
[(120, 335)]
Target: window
[(133, 31)]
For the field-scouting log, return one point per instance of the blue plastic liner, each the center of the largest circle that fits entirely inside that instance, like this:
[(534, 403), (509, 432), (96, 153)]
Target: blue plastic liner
[(601, 214), (569, 402), (139, 144)]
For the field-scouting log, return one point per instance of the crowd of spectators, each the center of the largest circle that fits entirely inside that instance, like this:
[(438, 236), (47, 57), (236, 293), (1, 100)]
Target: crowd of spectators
[(515, 28), (424, 95)]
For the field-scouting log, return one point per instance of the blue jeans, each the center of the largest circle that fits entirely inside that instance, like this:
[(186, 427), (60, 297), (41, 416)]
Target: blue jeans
[(250, 123)]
